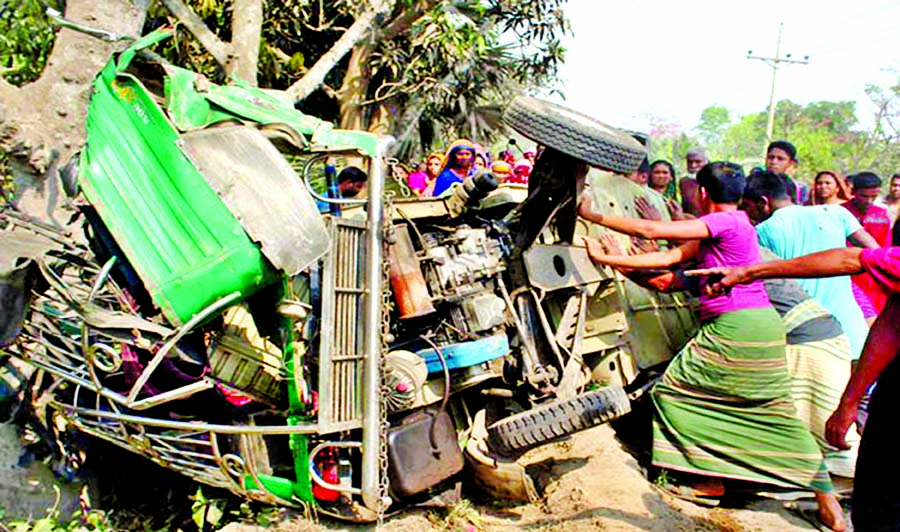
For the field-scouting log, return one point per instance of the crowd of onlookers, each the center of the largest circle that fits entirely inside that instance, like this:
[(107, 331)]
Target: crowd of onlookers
[(764, 393), (463, 159), (860, 194)]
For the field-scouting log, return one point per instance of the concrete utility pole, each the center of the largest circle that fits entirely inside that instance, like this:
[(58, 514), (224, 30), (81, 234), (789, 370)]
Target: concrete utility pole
[(775, 62)]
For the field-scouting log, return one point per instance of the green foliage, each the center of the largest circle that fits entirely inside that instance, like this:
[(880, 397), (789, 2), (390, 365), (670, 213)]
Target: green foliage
[(7, 181), (669, 143), (93, 521), (183, 49), (207, 513), (743, 142), (826, 134), (461, 59), (86, 520), (713, 121), (26, 39), (461, 517), (879, 147), (662, 478)]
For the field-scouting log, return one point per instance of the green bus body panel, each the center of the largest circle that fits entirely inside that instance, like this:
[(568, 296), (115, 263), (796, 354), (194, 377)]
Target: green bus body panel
[(195, 103), (185, 245)]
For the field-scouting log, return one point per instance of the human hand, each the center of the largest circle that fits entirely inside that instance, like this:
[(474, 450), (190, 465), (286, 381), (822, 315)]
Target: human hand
[(586, 206), (595, 250), (723, 278), (839, 423), (641, 245), (675, 211), (645, 210), (611, 244)]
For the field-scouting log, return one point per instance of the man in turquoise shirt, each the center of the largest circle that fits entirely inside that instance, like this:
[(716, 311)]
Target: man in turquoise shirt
[(791, 231)]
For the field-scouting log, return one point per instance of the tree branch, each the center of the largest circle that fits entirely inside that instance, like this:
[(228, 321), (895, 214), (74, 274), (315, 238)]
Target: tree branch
[(195, 25), (279, 53), (360, 29), (246, 31), (406, 19)]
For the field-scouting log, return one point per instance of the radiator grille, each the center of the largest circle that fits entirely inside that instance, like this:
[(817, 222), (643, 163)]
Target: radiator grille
[(341, 348)]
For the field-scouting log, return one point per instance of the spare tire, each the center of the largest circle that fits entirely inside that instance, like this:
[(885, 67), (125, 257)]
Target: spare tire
[(575, 134), (545, 423)]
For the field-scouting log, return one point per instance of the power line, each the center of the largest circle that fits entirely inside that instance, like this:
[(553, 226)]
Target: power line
[(775, 63)]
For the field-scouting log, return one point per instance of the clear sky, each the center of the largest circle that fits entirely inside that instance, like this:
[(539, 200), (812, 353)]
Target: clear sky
[(634, 63)]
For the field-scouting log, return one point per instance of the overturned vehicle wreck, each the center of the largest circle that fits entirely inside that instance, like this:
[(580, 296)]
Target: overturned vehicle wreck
[(223, 318)]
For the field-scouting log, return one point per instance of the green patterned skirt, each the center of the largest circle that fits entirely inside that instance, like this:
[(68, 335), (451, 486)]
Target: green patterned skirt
[(724, 407)]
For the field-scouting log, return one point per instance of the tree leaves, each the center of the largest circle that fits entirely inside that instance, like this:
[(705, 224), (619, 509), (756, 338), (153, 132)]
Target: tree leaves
[(827, 134), (26, 38)]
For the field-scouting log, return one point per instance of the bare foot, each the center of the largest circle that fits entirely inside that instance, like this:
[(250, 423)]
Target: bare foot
[(830, 512)]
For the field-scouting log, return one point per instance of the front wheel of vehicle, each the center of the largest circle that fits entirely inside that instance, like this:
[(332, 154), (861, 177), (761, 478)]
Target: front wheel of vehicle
[(545, 423)]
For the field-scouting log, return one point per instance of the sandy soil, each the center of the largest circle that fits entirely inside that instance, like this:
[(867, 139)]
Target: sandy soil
[(589, 484)]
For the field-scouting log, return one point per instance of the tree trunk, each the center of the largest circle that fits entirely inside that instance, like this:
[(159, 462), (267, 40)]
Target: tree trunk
[(49, 113), (210, 42), (246, 36), (382, 118), (355, 88)]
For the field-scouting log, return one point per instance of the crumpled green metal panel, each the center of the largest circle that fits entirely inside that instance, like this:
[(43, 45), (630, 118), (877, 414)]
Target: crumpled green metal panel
[(185, 245), (193, 102), (658, 325)]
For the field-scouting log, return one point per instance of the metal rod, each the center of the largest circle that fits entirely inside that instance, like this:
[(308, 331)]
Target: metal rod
[(316, 195), (104, 35), (177, 393), (265, 430), (182, 331), (86, 351), (316, 478), (371, 433)]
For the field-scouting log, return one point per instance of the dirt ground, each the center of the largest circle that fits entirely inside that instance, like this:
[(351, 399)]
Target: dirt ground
[(589, 484)]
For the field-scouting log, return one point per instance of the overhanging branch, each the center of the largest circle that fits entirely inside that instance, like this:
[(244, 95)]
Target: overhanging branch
[(361, 28), (195, 25)]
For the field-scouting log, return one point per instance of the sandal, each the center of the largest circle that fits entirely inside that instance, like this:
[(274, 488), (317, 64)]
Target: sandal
[(690, 494)]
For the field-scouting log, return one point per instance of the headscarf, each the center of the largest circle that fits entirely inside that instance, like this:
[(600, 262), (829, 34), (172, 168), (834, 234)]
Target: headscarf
[(501, 166), (843, 191), (521, 171), (481, 151), (434, 155), (447, 177), (504, 168), (456, 145)]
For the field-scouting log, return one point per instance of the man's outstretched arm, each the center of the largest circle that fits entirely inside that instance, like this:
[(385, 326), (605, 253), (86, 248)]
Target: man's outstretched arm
[(829, 263)]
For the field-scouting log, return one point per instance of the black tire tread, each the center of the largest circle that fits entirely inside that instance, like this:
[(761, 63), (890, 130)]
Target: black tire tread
[(575, 134), (545, 423)]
